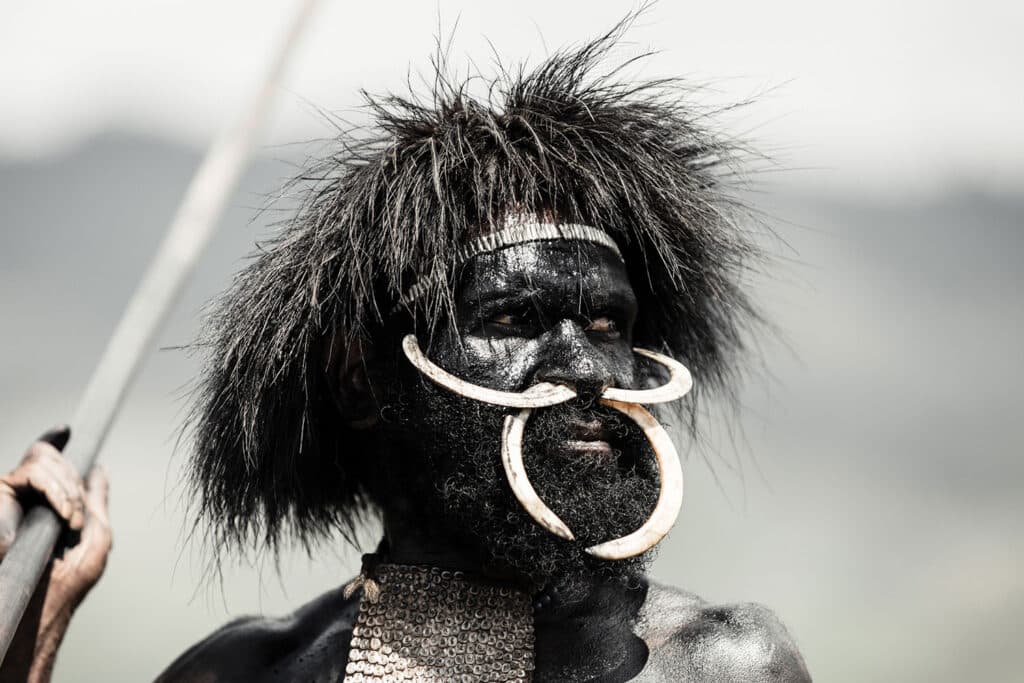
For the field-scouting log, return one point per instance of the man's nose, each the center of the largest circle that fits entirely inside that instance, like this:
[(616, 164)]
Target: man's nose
[(571, 359)]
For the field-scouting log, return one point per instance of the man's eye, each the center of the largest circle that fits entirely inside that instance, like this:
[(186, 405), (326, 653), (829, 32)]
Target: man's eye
[(603, 325), (506, 319), (510, 323)]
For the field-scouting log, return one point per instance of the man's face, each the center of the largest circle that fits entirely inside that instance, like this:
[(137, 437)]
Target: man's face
[(559, 312)]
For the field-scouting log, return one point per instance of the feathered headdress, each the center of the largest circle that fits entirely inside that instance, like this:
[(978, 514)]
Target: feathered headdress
[(273, 458)]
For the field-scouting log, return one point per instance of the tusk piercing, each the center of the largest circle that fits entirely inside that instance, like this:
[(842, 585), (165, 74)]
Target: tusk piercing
[(626, 401), (679, 383), (670, 496), (519, 482), (662, 519), (540, 395)]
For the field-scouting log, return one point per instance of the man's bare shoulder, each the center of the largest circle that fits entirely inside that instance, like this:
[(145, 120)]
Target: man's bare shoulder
[(692, 640), (310, 644)]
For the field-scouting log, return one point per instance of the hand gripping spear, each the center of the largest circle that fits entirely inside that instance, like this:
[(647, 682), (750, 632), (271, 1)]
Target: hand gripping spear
[(191, 229)]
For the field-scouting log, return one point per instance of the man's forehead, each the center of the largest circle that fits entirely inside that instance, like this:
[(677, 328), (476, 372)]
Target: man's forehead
[(553, 265), (496, 255)]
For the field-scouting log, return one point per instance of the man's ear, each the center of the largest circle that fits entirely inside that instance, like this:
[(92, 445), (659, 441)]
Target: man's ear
[(347, 362)]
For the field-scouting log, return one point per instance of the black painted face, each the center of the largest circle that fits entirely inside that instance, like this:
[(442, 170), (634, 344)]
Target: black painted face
[(560, 312)]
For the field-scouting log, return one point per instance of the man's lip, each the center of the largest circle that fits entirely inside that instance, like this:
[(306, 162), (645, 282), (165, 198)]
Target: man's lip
[(589, 447), (589, 438), (588, 431)]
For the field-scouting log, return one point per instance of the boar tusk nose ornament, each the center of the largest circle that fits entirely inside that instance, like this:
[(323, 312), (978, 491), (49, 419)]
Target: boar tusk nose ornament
[(540, 395), (670, 495), (515, 472), (679, 383), (626, 401)]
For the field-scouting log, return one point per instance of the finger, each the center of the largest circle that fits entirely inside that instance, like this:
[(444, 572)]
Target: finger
[(10, 518), (39, 478), (45, 470), (53, 439), (88, 559), (67, 478), (57, 436), (97, 494)]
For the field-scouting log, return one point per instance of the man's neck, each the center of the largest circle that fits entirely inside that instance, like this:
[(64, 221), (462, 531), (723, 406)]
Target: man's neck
[(583, 628), (422, 544), (584, 632)]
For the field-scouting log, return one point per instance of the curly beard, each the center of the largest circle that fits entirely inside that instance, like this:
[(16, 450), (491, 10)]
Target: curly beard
[(449, 449)]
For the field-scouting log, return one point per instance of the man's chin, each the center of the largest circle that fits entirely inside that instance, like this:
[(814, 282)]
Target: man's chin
[(545, 559), (592, 495), (589, 465)]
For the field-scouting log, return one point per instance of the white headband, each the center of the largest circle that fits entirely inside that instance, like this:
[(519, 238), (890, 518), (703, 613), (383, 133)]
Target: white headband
[(517, 232), (522, 232)]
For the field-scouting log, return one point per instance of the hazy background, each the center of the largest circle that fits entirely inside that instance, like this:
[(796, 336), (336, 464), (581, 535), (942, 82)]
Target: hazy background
[(873, 497)]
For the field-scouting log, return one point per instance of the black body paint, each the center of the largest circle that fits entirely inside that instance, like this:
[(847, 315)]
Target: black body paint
[(547, 311)]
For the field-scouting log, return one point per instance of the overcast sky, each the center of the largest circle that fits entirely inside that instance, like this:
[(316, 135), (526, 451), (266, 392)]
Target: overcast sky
[(875, 94)]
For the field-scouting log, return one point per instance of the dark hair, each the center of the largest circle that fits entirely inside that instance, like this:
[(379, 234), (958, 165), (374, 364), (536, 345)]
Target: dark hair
[(273, 458)]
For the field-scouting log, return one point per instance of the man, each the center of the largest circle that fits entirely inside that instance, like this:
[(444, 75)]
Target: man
[(464, 331)]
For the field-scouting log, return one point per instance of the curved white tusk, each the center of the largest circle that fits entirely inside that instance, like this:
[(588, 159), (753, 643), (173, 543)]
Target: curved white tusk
[(540, 395), (670, 497), (679, 383), (515, 471)]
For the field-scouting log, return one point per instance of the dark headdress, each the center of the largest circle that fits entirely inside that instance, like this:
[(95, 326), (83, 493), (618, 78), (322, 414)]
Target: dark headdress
[(273, 458)]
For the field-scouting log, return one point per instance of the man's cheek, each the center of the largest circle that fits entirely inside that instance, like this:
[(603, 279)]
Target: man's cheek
[(507, 364), (623, 364)]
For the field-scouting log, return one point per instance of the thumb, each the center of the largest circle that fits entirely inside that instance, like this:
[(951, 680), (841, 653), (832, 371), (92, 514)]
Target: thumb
[(57, 436)]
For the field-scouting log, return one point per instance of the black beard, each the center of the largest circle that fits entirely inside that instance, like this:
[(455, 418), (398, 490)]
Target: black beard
[(459, 440)]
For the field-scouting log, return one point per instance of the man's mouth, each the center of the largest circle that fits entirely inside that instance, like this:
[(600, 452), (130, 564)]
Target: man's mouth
[(589, 438)]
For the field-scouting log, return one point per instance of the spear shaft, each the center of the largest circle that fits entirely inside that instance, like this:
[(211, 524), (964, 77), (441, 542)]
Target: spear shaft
[(190, 231)]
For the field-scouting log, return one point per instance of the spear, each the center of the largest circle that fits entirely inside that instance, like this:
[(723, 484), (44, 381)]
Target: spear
[(190, 230)]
